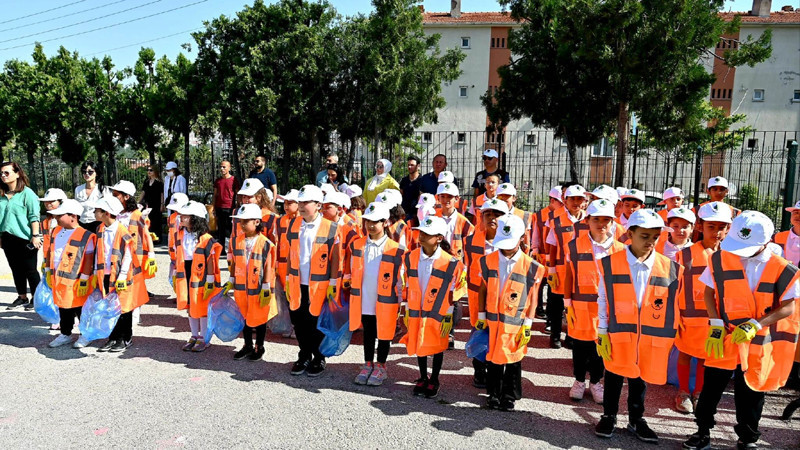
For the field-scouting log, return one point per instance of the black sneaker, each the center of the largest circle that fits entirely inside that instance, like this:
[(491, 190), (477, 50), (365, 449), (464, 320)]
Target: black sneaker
[(107, 346), (642, 431), (555, 343), (540, 314), (431, 389), (506, 405), (257, 354), (17, 303), (419, 386), (479, 381), (451, 343), (316, 368), (698, 441), (29, 306), (745, 445), (243, 353), (492, 403), (605, 428), (547, 328), (300, 366), (120, 346)]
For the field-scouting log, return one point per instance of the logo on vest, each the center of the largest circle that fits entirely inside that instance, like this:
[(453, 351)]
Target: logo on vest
[(658, 305), (745, 233), (431, 295), (511, 302)]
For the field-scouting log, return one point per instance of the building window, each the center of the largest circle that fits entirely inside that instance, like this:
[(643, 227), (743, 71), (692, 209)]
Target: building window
[(465, 42), (602, 148), (502, 42), (461, 137), (531, 139), (758, 95), (721, 94), (796, 98), (427, 136), (752, 144), (462, 91)]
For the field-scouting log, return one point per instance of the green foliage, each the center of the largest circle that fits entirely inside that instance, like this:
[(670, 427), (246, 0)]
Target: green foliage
[(750, 200)]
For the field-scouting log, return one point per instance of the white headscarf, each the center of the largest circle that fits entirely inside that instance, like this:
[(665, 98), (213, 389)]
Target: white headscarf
[(378, 179)]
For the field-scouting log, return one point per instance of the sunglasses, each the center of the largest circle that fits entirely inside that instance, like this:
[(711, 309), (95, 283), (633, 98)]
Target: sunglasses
[(150, 170), (5, 174), (486, 158), (88, 172)]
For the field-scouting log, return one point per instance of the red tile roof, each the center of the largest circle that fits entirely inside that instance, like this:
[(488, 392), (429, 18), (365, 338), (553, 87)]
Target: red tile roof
[(774, 17), (505, 18)]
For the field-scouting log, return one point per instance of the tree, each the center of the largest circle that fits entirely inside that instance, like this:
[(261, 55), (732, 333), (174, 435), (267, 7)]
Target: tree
[(106, 109), (141, 116)]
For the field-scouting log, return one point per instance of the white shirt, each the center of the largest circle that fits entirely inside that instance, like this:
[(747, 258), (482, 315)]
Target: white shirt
[(424, 269), (109, 234), (189, 244), (178, 185), (671, 250), (451, 225), (623, 220), (84, 198), (792, 249), (373, 252), (640, 274), (551, 237), (506, 265), (249, 243), (753, 269), (308, 232), (60, 242)]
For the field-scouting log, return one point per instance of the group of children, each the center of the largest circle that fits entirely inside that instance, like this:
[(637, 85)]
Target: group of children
[(632, 282)]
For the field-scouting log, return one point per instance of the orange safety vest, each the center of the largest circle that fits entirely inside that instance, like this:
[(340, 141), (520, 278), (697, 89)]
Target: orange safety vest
[(509, 305), (283, 247), (462, 229), (397, 230), (47, 234), (204, 263), (427, 309), (477, 202), (474, 250), (356, 216), (69, 269), (268, 229), (248, 277), (321, 269), (767, 359), (585, 282), (641, 338), (388, 304), (693, 331), (174, 234), (565, 231), (136, 293), (140, 234)]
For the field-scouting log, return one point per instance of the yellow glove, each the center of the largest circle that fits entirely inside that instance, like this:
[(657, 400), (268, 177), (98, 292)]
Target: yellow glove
[(153, 236), (331, 295), (264, 297), (121, 285), (288, 294), (570, 317), (84, 286), (44, 266), (714, 345), (227, 287), (208, 289), (48, 278), (524, 336), (604, 346), (447, 325), (552, 280), (174, 283), (150, 267), (745, 332), (480, 324), (405, 317)]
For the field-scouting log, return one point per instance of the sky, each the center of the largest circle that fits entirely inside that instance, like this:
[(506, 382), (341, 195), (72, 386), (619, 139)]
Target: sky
[(119, 28)]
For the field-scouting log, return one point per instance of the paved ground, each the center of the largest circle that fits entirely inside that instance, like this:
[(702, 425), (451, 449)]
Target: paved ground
[(156, 396)]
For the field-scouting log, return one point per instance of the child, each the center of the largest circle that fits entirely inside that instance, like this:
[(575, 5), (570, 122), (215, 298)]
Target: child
[(197, 274), (290, 208), (789, 240), (750, 295), (252, 279), (693, 329), (432, 288), (681, 220), (132, 218), (507, 303), (581, 285), (357, 204), (717, 190), (69, 265), (672, 198), (372, 274), (52, 199), (447, 177), (637, 307), (478, 244), (539, 231), (175, 231), (508, 193), (632, 201), (491, 182)]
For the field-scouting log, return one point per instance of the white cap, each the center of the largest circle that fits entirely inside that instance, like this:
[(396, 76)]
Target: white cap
[(749, 231), (53, 194), (446, 176), (510, 228), (171, 165), (671, 193), (197, 209), (290, 196), (507, 188), (495, 204), (269, 194), (310, 193), (490, 153), (555, 193), (353, 190), (575, 190), (124, 186), (248, 211), (425, 211), (601, 208), (426, 199), (250, 187), (327, 188), (108, 203), (448, 188), (682, 213), (646, 218), (433, 225), (387, 199), (68, 206), (606, 192), (621, 191), (715, 212), (395, 196), (338, 198), (376, 212), (178, 201), (793, 208), (717, 181), (634, 194)]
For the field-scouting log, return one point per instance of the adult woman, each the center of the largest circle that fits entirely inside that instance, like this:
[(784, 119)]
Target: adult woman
[(380, 182), (173, 182), (336, 178), (89, 192), (19, 230), (153, 197)]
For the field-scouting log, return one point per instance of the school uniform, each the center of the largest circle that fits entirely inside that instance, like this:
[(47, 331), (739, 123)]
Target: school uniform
[(70, 251), (254, 272)]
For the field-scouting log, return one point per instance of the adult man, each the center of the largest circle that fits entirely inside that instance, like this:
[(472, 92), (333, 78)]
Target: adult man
[(322, 175), (490, 167), (225, 188), (409, 187), (264, 175), (429, 182)]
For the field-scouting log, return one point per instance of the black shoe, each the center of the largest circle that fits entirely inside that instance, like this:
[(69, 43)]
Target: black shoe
[(419, 386), (243, 353), (642, 431), (742, 445), (29, 306), (432, 389), (568, 343), (506, 405), (17, 303), (107, 346), (316, 368), (120, 346), (605, 428), (479, 381), (547, 328), (492, 403), (555, 343), (300, 366), (257, 354), (540, 314), (451, 343), (698, 441)]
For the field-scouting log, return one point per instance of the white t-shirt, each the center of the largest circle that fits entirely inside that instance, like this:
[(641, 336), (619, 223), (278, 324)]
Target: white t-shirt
[(551, 236), (189, 244), (792, 248), (451, 226), (425, 268), (505, 266), (85, 198), (373, 252), (671, 250)]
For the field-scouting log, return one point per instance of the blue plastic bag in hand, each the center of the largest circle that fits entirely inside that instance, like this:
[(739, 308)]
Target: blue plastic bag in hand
[(282, 322), (43, 303), (99, 315), (334, 323), (224, 318), (478, 344)]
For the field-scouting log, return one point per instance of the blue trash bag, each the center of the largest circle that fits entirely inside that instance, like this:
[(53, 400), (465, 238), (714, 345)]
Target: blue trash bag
[(478, 344), (43, 303), (334, 323), (282, 322), (672, 370), (224, 318), (99, 315)]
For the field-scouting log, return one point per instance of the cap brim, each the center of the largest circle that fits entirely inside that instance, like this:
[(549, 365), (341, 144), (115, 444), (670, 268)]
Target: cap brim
[(791, 209), (739, 248), (494, 209), (505, 244), (609, 214), (717, 219), (374, 217)]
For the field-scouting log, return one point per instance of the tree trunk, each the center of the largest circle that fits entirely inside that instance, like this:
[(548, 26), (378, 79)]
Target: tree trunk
[(237, 166), (622, 143), (288, 147), (315, 157), (186, 159), (351, 159), (31, 150), (573, 160)]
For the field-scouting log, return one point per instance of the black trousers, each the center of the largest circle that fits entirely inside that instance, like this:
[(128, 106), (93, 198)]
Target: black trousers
[(749, 403), (479, 367), (555, 312), (123, 330), (541, 305), (224, 224), (585, 359), (422, 362), (68, 316), (613, 391), (504, 382), (22, 262), (305, 328), (370, 324), (261, 332)]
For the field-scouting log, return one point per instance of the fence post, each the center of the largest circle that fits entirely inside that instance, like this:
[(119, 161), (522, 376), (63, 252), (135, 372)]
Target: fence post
[(788, 186), (635, 157), (697, 173), (363, 175)]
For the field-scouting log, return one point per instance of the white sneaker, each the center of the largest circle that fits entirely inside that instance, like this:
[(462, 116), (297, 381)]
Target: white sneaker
[(578, 388), (61, 339), (597, 391), (81, 342), (683, 403)]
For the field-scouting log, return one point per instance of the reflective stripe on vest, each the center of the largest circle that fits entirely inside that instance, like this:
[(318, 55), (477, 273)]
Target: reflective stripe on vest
[(690, 272), (474, 248), (447, 279), (257, 259), (489, 272), (720, 277), (79, 244)]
